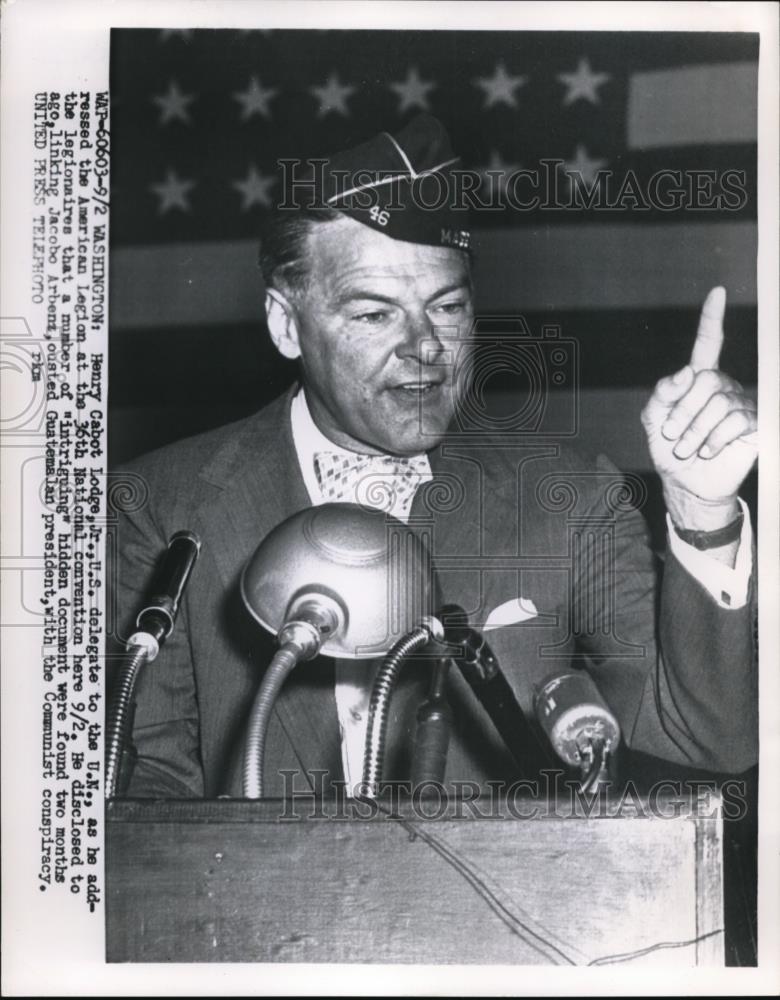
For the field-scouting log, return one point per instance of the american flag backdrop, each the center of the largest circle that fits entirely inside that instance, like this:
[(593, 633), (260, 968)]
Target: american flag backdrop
[(200, 119)]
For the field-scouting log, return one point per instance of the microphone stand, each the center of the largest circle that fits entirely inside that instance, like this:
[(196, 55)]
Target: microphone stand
[(336, 578), (434, 727), (314, 618), (480, 669), (379, 706), (154, 624)]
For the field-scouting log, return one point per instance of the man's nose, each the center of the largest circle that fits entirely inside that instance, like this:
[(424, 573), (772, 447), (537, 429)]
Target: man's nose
[(422, 339)]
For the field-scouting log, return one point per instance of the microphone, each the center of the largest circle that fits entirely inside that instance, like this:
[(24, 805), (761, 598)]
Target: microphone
[(480, 668), (154, 624), (434, 728), (370, 571), (338, 579), (447, 634), (579, 724)]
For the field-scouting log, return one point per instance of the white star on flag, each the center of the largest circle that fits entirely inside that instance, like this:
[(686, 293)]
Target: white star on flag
[(582, 84), (254, 189), (413, 92), (255, 99), (500, 88), (173, 105), (500, 172), (173, 192), (583, 165), (332, 96)]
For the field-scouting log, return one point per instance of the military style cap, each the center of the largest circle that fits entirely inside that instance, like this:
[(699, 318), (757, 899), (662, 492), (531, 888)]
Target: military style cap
[(402, 185)]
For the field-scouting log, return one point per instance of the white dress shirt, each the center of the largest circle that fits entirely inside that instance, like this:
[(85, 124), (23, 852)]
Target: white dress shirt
[(354, 678), (727, 585)]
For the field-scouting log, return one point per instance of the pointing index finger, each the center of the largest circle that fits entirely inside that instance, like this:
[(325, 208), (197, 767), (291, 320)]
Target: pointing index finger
[(709, 336)]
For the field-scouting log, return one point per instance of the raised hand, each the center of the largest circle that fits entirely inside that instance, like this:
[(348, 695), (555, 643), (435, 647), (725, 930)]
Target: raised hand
[(700, 424)]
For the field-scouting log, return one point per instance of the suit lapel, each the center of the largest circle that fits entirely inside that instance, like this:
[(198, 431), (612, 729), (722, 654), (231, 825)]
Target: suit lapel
[(260, 486), (450, 508)]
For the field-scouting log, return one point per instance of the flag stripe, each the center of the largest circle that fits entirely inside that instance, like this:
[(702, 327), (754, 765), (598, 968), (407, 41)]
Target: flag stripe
[(593, 267), (198, 365), (616, 266), (692, 105)]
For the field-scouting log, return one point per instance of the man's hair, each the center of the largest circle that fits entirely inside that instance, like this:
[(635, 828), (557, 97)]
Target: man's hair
[(282, 255)]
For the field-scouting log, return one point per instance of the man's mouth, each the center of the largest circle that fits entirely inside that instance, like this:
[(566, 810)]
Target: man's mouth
[(418, 388)]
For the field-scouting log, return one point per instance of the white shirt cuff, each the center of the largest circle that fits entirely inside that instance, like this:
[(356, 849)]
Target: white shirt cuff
[(727, 585)]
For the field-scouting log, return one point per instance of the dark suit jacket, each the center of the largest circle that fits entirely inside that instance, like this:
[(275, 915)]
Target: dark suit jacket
[(527, 519)]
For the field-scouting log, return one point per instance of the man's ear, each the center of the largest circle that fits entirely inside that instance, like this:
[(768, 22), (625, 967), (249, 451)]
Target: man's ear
[(281, 324)]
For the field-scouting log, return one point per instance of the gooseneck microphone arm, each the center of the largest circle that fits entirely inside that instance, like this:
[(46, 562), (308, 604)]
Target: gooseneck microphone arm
[(429, 628), (153, 626), (481, 670), (301, 638)]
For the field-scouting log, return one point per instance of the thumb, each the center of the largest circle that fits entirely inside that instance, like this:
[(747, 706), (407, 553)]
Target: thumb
[(666, 393)]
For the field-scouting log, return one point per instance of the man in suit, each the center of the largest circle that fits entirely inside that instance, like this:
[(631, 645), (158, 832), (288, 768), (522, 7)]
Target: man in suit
[(369, 288)]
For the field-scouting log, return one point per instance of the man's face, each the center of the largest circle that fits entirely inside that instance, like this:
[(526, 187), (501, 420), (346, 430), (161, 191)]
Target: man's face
[(376, 330)]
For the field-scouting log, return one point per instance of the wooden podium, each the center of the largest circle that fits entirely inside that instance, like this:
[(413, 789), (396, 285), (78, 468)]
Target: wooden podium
[(511, 882)]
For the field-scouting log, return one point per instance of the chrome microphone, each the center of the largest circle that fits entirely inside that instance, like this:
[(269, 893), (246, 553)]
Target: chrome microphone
[(337, 579), (154, 625), (366, 572), (581, 727), (156, 620), (482, 671)]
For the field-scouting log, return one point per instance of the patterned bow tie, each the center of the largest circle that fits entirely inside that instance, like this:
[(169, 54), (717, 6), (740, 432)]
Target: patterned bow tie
[(383, 482)]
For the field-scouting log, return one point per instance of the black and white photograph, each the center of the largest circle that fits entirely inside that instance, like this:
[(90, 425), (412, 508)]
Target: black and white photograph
[(393, 433)]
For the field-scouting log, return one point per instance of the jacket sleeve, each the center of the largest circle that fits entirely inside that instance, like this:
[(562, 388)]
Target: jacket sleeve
[(166, 729), (678, 669)]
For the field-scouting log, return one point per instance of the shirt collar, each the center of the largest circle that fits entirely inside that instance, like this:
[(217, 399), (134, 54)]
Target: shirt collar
[(308, 440)]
